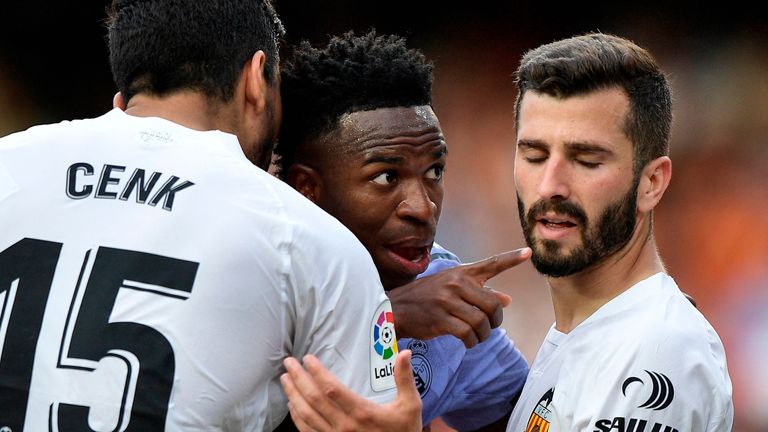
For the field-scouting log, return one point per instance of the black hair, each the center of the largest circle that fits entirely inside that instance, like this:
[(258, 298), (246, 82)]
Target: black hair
[(162, 46), (352, 73)]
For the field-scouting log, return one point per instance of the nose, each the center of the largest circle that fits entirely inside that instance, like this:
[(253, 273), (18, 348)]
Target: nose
[(555, 183), (417, 204)]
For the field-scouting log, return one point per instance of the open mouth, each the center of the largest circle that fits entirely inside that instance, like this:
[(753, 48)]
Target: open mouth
[(555, 223), (555, 227), (413, 254), (410, 260)]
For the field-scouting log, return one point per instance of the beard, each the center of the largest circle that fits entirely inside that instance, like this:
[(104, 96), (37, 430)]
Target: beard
[(610, 233), (262, 156)]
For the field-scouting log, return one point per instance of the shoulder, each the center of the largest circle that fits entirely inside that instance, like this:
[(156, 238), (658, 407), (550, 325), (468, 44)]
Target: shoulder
[(663, 344), (652, 314), (663, 331), (669, 325), (319, 247), (440, 253), (668, 377), (312, 225), (36, 133), (683, 343)]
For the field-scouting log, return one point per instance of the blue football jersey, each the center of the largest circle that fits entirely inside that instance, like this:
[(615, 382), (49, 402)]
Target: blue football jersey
[(468, 388)]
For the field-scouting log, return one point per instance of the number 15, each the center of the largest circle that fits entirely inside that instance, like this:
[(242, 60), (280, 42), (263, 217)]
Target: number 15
[(26, 274)]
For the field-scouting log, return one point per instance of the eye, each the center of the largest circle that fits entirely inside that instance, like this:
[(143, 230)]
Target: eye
[(589, 165), (436, 173), (534, 160), (534, 155), (385, 178)]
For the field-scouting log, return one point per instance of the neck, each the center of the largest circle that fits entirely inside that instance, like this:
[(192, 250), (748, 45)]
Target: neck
[(186, 108), (576, 297)]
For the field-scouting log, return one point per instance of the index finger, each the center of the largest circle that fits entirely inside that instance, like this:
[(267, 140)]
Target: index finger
[(492, 266)]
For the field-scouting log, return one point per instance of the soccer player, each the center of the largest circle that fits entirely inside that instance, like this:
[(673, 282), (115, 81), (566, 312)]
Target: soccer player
[(628, 350), (361, 140), (593, 120), (152, 275)]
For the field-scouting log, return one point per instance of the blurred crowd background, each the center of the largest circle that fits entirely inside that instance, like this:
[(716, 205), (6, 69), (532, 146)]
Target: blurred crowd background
[(712, 225)]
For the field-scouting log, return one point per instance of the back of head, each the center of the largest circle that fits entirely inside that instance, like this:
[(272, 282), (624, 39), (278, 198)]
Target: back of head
[(594, 61), (352, 73), (162, 46)]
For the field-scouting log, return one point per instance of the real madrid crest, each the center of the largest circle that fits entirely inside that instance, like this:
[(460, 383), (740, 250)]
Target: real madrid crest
[(422, 371)]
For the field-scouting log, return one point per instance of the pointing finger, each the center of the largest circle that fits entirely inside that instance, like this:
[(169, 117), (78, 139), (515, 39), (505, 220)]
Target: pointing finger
[(492, 266)]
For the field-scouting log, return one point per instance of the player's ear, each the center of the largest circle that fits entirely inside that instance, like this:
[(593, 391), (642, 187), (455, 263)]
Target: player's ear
[(654, 180), (255, 82), (306, 180), (118, 101)]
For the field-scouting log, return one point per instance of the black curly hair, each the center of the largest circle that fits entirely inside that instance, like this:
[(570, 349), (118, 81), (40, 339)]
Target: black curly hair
[(162, 46), (352, 73)]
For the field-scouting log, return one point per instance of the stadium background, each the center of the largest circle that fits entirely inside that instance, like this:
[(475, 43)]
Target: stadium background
[(712, 225)]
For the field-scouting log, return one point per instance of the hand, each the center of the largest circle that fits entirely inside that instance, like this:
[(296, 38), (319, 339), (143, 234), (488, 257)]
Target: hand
[(454, 301), (319, 402)]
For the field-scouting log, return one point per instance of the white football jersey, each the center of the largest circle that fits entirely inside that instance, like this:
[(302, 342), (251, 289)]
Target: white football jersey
[(647, 361), (152, 278)]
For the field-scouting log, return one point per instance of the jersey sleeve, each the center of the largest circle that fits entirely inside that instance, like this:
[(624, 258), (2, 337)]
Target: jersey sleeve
[(489, 381), (342, 314), (670, 381), (491, 375), (440, 259)]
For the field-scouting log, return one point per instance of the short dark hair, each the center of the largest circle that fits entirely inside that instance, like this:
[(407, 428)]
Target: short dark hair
[(352, 73), (595, 61), (162, 46)]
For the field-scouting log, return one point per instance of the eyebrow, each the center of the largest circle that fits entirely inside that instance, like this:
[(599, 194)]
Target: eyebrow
[(440, 152), (580, 147), (382, 157), (531, 144), (574, 147)]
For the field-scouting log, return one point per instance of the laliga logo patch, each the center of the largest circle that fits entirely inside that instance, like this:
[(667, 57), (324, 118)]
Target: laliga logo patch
[(422, 371), (384, 335), (383, 348), (540, 417)]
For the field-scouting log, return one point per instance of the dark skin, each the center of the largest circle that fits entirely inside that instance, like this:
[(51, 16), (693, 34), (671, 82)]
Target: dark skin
[(380, 173), (382, 178)]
